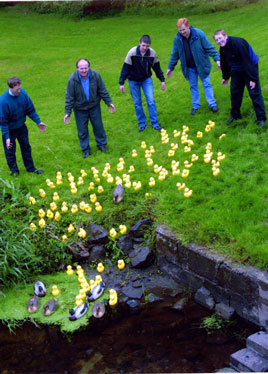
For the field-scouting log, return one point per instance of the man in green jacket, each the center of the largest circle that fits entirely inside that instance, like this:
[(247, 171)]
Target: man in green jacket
[(85, 89), (192, 48)]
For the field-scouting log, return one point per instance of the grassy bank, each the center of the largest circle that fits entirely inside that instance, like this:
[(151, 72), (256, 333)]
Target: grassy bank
[(227, 213)]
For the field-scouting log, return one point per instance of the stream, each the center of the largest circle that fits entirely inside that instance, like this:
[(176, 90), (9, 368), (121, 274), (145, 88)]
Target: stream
[(153, 339)]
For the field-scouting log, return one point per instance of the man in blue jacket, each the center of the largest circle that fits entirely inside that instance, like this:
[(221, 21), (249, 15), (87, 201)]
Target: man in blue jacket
[(15, 104), (239, 62), (192, 48), (137, 69), (84, 91)]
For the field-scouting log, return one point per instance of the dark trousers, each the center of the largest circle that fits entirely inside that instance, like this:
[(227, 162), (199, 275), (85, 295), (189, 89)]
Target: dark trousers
[(94, 116), (21, 134), (238, 82)]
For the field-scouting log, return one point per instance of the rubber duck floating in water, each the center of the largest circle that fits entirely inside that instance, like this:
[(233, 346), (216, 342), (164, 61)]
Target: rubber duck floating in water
[(50, 307), (113, 297), (95, 292), (33, 304), (39, 289), (98, 309), (78, 312)]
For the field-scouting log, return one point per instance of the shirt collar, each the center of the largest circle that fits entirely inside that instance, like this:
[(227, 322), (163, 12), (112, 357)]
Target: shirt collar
[(10, 93)]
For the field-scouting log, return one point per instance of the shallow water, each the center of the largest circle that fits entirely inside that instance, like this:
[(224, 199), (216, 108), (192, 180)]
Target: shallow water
[(157, 339)]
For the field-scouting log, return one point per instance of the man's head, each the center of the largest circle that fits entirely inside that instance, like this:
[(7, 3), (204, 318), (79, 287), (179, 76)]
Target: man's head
[(14, 85), (220, 37), (183, 27), (82, 66), (145, 43)]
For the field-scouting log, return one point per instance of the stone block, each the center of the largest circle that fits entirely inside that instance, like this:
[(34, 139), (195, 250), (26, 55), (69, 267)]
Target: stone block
[(247, 360), (225, 311), (226, 370), (259, 342), (203, 297)]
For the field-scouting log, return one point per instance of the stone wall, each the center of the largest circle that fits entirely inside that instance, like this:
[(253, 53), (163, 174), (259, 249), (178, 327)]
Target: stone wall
[(228, 286)]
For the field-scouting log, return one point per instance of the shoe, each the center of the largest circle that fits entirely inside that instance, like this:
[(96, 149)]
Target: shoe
[(261, 123), (142, 128), (232, 119), (102, 148), (14, 173), (193, 111), (86, 154), (214, 108), (157, 128), (36, 171)]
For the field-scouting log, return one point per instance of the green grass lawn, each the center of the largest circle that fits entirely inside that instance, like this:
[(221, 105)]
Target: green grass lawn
[(228, 213)]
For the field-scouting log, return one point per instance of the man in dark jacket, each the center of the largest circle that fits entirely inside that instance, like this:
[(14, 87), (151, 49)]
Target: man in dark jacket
[(15, 105), (193, 49), (239, 62), (85, 89), (137, 69)]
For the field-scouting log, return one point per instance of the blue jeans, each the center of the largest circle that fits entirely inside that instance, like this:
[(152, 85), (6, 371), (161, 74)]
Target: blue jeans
[(135, 90), (208, 90), (94, 116)]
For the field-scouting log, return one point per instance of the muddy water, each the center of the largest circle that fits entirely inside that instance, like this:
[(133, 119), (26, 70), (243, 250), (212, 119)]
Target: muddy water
[(155, 339)]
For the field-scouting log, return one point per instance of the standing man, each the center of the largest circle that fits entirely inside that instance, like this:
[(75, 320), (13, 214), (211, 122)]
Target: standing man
[(192, 48), (137, 69), (239, 62), (85, 89), (15, 104)]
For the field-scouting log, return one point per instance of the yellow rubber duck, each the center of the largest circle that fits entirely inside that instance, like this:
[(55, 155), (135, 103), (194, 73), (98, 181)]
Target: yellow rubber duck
[(32, 200), (216, 172), (211, 124), (41, 223), (194, 157), (187, 192), (180, 186), (136, 185), (53, 206), (64, 208), (50, 214), (56, 196), (42, 193), (199, 134), (100, 189), (134, 153), (152, 150), (55, 291), (174, 146), (57, 216), (128, 184), (185, 173), (110, 179), (41, 213), (69, 270), (100, 267), (171, 153), (74, 209), (78, 300), (91, 186), (113, 297), (82, 294), (32, 227), (58, 180), (82, 205), (83, 173), (122, 229), (98, 279), (131, 169), (112, 233), (88, 208), (149, 161), (176, 171), (220, 156), (121, 264), (98, 207), (74, 190), (222, 136), (143, 145), (187, 149), (176, 133), (152, 182), (82, 233), (64, 238)]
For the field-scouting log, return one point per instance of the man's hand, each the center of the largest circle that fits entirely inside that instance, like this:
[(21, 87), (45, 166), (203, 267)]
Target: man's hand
[(169, 73), (122, 88), (163, 86), (42, 127), (111, 108), (8, 144), (66, 119), (219, 65), (252, 85), (224, 82)]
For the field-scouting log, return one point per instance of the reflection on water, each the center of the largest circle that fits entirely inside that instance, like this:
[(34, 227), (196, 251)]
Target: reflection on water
[(157, 339)]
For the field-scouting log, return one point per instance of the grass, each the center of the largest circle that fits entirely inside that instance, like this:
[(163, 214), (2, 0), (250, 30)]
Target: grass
[(227, 213)]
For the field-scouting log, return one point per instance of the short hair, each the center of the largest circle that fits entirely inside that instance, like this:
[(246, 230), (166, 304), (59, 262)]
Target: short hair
[(13, 81), (80, 59), (182, 21), (145, 39), (220, 31)]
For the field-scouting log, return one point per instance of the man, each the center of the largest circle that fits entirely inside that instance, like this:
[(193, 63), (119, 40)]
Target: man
[(15, 104), (192, 48), (239, 62), (137, 69), (85, 89)]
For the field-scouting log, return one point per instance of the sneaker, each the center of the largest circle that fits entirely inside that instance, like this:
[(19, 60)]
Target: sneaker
[(142, 128), (36, 171), (157, 128), (102, 148), (214, 108), (261, 123), (14, 173), (193, 111), (86, 154)]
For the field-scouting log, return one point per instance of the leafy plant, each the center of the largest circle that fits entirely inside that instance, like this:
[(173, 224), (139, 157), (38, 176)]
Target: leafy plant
[(214, 323)]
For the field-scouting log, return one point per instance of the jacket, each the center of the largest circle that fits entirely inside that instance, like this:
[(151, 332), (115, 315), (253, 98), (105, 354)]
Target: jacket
[(201, 49), (238, 51), (138, 68), (75, 97)]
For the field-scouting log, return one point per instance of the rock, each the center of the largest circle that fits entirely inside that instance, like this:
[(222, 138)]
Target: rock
[(97, 252), (141, 257), (78, 250), (203, 297), (225, 311), (136, 283), (152, 298), (125, 243), (133, 293), (180, 304), (137, 230), (97, 234), (133, 304)]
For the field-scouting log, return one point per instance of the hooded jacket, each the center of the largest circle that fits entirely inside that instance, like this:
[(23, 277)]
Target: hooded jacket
[(201, 49)]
